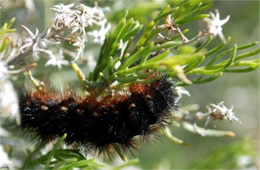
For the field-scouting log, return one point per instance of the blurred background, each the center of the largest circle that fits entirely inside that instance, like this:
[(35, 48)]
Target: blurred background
[(239, 90)]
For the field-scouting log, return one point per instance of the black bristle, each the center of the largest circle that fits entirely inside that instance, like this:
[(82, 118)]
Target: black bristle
[(97, 125)]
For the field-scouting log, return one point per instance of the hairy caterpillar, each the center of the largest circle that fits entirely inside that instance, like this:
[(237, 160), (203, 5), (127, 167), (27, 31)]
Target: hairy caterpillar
[(97, 123)]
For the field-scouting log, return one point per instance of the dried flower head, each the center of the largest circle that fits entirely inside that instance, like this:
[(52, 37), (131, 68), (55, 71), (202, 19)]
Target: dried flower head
[(219, 112), (171, 28), (169, 25), (64, 16)]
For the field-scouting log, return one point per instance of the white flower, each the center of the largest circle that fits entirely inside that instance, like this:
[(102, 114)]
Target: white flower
[(181, 91), (71, 22), (100, 35), (122, 47), (83, 17), (94, 15), (78, 18), (29, 41), (220, 112), (215, 24), (4, 161), (64, 15), (35, 42), (79, 24), (9, 101), (55, 60), (117, 65), (3, 71)]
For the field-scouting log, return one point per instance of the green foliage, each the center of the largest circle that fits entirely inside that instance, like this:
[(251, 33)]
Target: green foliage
[(226, 157), (143, 52), (59, 158), (63, 159), (6, 28)]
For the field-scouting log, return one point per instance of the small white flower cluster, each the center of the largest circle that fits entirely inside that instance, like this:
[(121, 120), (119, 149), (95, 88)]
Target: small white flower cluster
[(69, 24), (77, 19), (218, 112)]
